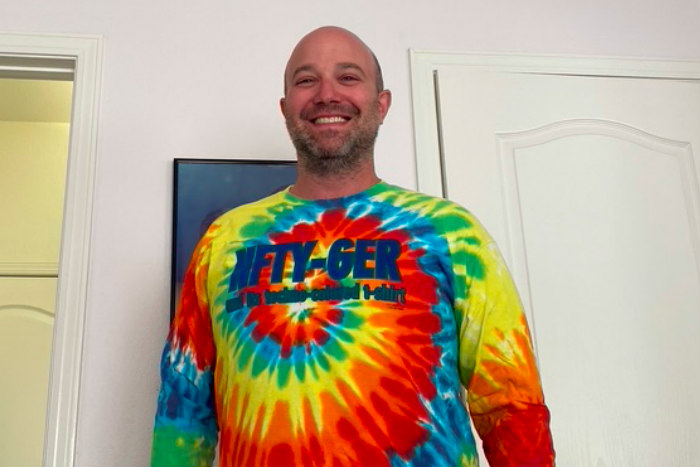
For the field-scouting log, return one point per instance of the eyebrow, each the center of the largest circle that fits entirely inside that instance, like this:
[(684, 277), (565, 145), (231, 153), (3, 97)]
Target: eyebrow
[(340, 66), (350, 65), (301, 69)]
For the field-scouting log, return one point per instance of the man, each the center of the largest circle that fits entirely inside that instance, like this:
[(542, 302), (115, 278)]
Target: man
[(334, 323)]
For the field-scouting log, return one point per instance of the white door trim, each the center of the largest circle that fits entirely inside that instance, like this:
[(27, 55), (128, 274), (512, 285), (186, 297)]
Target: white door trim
[(66, 358), (424, 65)]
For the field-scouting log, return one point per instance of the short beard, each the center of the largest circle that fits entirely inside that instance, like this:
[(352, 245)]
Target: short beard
[(351, 154)]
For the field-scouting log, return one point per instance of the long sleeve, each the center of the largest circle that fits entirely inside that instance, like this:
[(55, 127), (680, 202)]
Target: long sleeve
[(497, 364), (186, 430)]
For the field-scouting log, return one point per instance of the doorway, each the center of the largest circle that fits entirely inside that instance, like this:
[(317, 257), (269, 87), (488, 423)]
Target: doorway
[(52, 56), (34, 132)]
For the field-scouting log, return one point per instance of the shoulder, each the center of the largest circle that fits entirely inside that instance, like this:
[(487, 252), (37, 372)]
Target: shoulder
[(246, 218), (444, 214)]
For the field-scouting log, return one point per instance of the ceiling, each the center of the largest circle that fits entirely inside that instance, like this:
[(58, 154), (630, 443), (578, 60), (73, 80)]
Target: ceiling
[(32, 100)]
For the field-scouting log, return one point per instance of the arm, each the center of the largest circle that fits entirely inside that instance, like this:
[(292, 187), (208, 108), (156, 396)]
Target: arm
[(498, 366), (186, 430)]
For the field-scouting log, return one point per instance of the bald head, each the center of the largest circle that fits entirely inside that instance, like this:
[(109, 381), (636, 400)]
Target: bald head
[(330, 39), (333, 105)]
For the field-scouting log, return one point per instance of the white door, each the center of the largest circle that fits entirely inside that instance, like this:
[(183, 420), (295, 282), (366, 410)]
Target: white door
[(590, 186), (26, 329)]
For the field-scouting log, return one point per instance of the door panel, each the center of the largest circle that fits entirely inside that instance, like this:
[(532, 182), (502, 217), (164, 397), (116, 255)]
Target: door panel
[(589, 185), (26, 328)]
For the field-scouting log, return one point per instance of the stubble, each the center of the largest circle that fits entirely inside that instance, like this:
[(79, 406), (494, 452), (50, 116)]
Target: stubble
[(331, 152)]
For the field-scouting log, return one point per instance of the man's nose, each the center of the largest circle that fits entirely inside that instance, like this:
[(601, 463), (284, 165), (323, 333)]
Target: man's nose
[(327, 92)]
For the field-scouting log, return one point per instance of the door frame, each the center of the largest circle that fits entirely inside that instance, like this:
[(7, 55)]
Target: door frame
[(424, 89), (73, 271)]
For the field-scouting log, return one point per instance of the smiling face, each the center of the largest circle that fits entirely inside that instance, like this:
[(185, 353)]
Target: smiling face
[(332, 106)]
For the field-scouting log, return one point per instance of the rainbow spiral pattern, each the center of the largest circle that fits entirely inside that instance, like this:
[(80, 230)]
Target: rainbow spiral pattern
[(339, 333)]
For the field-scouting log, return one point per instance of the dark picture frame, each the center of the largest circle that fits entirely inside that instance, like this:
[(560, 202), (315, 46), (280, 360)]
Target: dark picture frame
[(203, 189)]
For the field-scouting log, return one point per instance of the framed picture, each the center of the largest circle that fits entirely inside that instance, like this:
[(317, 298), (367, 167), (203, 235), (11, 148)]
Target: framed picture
[(206, 188)]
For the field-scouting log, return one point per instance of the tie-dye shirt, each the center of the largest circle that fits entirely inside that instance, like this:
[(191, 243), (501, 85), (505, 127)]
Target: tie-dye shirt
[(340, 333)]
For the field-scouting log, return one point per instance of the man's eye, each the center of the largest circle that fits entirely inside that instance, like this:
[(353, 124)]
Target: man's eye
[(304, 81), (348, 78)]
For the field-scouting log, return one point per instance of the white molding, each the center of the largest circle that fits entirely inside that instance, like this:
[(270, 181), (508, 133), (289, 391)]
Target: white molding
[(66, 359), (29, 269), (425, 66), (425, 123), (509, 143)]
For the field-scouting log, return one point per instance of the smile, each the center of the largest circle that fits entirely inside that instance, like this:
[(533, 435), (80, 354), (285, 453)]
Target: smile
[(327, 120)]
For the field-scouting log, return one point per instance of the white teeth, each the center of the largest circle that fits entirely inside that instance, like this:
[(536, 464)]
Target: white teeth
[(322, 120)]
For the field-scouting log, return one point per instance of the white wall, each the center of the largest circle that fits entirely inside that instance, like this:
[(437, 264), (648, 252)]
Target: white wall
[(202, 79)]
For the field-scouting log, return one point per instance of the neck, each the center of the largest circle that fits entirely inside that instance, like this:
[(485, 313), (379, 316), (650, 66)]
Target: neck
[(312, 186)]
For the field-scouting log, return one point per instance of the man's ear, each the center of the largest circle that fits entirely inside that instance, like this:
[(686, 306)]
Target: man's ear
[(384, 102), (283, 106)]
